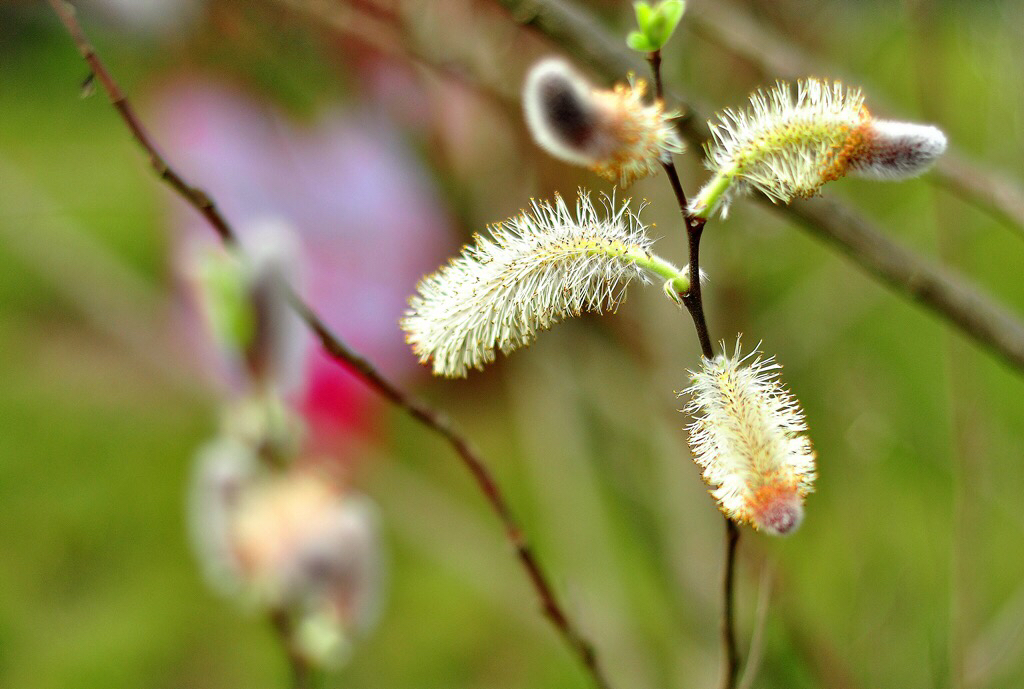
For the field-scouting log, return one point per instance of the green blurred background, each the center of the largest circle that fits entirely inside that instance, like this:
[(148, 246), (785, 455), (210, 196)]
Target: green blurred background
[(907, 572)]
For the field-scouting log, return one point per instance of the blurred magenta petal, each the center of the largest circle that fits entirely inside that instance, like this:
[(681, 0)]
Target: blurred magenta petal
[(368, 219), (335, 402)]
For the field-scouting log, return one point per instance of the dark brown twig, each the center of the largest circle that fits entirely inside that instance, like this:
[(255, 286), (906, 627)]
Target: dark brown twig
[(732, 654), (947, 294), (694, 302), (355, 363)]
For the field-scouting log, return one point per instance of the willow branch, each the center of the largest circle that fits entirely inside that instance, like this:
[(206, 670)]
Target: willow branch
[(433, 420), (196, 197), (985, 188), (354, 362), (929, 284), (942, 291), (694, 303), (732, 654)]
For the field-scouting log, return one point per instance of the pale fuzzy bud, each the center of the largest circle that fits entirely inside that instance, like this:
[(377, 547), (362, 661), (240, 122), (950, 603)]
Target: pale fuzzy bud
[(342, 572), (291, 542), (266, 424), (533, 271), (613, 132), (748, 437), (244, 296), (788, 148), (276, 354), (297, 538), (898, 150), (224, 468)]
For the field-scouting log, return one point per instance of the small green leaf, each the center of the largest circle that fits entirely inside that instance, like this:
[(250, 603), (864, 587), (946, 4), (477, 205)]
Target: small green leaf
[(643, 13), (656, 24), (224, 290), (656, 29), (639, 42), (672, 10)]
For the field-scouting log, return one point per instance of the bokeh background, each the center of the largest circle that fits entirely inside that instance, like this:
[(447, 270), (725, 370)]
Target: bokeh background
[(386, 132)]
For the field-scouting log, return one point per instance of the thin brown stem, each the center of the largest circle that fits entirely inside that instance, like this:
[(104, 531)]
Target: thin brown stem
[(195, 196), (756, 649), (654, 59), (361, 367), (732, 655), (694, 302), (485, 480)]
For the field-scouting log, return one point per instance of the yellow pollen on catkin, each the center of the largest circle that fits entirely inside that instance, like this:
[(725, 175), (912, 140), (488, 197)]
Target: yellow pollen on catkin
[(785, 146), (788, 147), (749, 438), (531, 272), (643, 133), (616, 132)]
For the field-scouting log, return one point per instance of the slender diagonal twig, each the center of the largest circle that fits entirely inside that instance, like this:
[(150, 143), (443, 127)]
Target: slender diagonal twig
[(196, 197), (694, 302), (354, 362), (944, 292), (485, 480)]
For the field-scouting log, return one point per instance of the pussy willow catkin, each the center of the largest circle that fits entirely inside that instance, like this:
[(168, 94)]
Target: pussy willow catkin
[(788, 147), (613, 132), (749, 438), (534, 270)]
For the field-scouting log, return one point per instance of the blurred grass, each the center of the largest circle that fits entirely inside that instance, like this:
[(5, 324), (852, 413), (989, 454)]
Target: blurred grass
[(911, 548)]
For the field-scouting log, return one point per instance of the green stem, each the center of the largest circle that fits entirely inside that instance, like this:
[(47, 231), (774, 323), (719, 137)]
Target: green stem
[(712, 192), (676, 280)]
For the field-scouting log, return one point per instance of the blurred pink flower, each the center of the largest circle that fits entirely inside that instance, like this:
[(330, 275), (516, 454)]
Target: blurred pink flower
[(368, 219)]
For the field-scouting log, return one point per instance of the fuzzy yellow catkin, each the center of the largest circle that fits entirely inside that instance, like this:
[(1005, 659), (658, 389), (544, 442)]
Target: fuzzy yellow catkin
[(614, 132), (534, 270), (749, 438), (788, 148)]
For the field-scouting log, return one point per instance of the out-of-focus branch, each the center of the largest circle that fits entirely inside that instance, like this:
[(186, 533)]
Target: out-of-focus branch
[(104, 291), (196, 197), (737, 32), (388, 35), (984, 187), (694, 302), (940, 289), (353, 362), (944, 292)]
